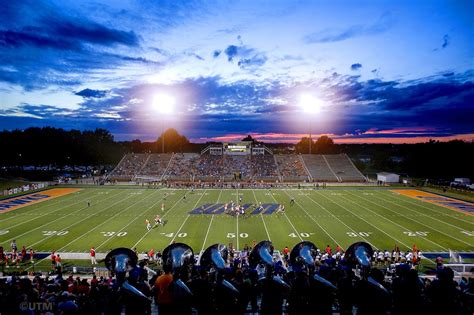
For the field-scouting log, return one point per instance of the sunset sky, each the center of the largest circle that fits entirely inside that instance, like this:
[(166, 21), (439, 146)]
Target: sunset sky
[(378, 71)]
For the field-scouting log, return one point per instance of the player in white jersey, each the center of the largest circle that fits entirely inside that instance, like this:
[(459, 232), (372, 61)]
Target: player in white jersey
[(148, 225), (162, 207)]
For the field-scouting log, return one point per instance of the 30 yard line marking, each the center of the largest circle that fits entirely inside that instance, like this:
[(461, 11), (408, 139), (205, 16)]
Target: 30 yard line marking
[(297, 203), (148, 209), (321, 206), (261, 215), (49, 222), (237, 216), (179, 230), (392, 222), (419, 222)]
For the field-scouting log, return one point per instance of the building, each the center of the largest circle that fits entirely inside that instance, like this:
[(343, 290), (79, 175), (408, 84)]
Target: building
[(388, 177)]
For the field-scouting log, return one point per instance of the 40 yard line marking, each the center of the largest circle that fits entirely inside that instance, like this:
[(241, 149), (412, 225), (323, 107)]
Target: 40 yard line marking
[(174, 237), (146, 233), (330, 236), (289, 221), (208, 229), (324, 208), (261, 215)]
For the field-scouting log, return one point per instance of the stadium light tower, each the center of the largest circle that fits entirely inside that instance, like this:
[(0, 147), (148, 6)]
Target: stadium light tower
[(310, 105), (164, 105)]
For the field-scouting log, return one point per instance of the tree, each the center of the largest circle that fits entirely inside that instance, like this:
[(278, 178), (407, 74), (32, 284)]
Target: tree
[(174, 142), (303, 145), (324, 145)]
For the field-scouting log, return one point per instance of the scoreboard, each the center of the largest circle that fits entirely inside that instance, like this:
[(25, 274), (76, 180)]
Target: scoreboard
[(238, 148)]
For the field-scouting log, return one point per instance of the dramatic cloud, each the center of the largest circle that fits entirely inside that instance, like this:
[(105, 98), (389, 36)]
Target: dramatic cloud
[(446, 41)]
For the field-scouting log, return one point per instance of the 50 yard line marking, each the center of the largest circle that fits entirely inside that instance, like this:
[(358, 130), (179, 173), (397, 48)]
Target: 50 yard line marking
[(174, 237), (261, 215)]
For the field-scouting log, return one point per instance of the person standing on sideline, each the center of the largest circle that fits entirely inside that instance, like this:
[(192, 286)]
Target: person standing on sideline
[(92, 254)]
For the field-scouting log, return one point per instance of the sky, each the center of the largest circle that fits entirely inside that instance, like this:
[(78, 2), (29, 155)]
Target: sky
[(359, 71)]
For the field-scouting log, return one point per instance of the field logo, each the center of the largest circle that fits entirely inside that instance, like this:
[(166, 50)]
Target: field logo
[(26, 200), (462, 206), (218, 208)]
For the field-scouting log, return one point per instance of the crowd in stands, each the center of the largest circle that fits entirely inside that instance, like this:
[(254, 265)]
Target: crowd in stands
[(182, 165), (155, 164), (237, 164), (130, 165), (209, 166), (291, 166), (398, 289), (264, 166)]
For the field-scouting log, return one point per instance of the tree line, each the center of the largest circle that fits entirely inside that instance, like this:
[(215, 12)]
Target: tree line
[(54, 146)]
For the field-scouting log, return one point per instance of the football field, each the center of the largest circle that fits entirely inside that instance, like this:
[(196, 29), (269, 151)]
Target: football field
[(116, 218)]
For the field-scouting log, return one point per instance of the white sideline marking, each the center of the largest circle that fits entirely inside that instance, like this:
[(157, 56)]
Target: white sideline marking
[(74, 240), (419, 222), (48, 223), (167, 211), (340, 221), (187, 218), (261, 215), (332, 238)]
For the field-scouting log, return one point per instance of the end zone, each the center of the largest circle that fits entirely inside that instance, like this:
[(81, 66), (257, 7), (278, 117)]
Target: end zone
[(450, 203), (11, 204)]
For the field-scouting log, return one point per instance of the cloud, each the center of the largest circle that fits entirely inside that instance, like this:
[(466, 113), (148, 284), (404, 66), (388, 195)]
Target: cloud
[(383, 24), (231, 52), (88, 93), (255, 61), (216, 53), (356, 66), (446, 41)]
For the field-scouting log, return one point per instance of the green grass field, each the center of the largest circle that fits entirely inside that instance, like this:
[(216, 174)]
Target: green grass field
[(331, 216)]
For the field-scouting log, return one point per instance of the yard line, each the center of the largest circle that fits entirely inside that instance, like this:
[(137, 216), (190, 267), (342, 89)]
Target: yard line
[(314, 201), (139, 216), (168, 211), (421, 204), (39, 216), (74, 240), (188, 217), (49, 222), (332, 238), (237, 236), (261, 215), (45, 206), (392, 222), (88, 217), (208, 229), (418, 222)]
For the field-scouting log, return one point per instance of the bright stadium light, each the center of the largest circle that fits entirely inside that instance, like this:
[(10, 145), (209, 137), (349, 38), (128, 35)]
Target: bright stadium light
[(310, 104), (163, 103)]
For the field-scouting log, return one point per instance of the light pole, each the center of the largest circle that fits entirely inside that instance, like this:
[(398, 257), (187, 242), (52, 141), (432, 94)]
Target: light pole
[(310, 105), (163, 104)]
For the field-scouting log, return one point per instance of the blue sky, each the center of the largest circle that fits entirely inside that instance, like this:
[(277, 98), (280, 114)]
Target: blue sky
[(382, 71)]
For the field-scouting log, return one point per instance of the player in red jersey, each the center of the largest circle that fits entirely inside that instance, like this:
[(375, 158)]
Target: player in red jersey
[(92, 254)]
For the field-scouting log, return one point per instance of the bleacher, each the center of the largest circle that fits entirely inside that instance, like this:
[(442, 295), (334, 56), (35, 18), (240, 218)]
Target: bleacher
[(182, 166), (344, 169), (128, 167), (291, 167), (264, 167), (155, 165), (237, 164), (318, 168)]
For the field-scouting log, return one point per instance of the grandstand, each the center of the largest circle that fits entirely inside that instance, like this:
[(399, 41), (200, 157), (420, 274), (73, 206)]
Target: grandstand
[(319, 168), (257, 164)]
